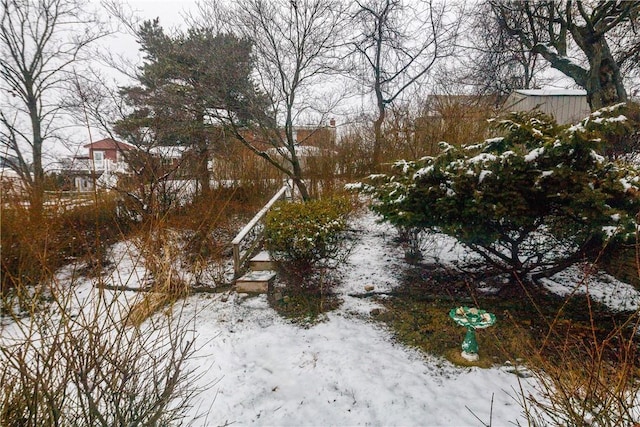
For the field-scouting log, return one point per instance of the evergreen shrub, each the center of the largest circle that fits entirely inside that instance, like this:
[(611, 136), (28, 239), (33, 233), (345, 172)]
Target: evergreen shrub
[(530, 202), (308, 234)]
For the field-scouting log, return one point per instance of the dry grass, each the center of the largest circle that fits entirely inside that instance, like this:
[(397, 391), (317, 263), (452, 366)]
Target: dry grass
[(33, 250), (583, 357), (159, 254), (77, 363), (99, 362)]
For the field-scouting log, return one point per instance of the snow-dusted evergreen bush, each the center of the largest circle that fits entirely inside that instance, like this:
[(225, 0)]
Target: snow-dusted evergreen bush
[(529, 202), (308, 233)]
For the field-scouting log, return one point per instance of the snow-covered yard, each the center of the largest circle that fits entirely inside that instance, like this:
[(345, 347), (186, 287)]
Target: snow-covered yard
[(346, 370), (256, 367)]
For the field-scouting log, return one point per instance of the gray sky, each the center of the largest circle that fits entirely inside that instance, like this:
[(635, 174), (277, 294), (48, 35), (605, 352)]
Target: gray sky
[(171, 14)]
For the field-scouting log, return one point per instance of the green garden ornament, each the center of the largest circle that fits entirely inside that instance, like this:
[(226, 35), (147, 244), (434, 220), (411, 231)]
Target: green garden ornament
[(472, 319)]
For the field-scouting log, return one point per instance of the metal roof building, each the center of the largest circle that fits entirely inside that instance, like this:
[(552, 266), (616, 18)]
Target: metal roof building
[(565, 105)]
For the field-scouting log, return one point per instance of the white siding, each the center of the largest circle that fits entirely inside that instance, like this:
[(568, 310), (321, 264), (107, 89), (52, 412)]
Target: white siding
[(565, 106)]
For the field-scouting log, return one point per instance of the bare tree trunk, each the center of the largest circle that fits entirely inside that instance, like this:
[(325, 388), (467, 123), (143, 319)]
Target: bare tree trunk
[(36, 192), (396, 56), (297, 176), (37, 48), (378, 141), (604, 31), (296, 46), (604, 82)]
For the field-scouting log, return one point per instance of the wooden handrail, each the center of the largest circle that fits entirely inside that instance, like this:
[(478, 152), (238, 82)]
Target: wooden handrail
[(239, 260)]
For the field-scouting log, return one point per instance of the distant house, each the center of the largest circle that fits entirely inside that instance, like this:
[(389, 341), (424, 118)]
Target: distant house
[(10, 182), (103, 159), (322, 136), (565, 105), (311, 141), (170, 154), (108, 154)]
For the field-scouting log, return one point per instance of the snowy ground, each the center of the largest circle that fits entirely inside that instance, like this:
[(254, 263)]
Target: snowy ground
[(260, 369), (346, 370)]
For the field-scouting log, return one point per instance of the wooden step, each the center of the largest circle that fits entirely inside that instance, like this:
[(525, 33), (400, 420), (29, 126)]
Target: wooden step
[(255, 281), (262, 262)]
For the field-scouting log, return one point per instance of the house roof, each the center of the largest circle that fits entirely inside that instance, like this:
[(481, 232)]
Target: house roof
[(552, 92), (169, 151), (109, 143)]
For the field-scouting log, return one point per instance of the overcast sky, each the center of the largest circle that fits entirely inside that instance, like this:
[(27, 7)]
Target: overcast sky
[(171, 14)]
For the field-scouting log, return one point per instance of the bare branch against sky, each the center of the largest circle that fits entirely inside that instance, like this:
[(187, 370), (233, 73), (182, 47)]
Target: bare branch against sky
[(39, 44)]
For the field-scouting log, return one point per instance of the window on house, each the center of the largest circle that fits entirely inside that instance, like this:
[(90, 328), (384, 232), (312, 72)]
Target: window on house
[(98, 159)]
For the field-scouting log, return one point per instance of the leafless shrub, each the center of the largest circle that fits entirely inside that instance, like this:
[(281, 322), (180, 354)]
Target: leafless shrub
[(78, 362), (591, 378)]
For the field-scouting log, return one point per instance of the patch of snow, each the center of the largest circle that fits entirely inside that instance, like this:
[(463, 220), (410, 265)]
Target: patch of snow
[(492, 140), (625, 184), (620, 118), (482, 157), (483, 175), (576, 128), (344, 371), (423, 171), (601, 287), (609, 230), (597, 157), (353, 186), (534, 154)]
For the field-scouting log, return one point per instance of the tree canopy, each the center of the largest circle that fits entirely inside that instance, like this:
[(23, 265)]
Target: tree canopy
[(603, 34), (40, 42), (186, 79)]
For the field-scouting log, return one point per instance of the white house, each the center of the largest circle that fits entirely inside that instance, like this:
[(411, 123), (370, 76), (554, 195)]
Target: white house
[(565, 105)]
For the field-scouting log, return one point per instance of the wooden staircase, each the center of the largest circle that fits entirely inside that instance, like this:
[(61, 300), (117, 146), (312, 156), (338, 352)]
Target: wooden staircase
[(260, 275), (248, 241)]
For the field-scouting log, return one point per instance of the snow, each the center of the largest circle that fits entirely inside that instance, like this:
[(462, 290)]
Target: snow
[(625, 184), (597, 157), (255, 367), (483, 175), (552, 92), (534, 154), (346, 370), (482, 157), (616, 295), (423, 171)]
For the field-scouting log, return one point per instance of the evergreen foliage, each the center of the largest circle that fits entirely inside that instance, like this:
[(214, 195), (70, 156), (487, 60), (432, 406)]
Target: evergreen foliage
[(183, 78), (186, 82), (308, 234), (529, 202)]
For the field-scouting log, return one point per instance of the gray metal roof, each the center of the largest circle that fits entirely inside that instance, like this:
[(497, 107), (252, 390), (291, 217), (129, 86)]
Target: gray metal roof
[(552, 92)]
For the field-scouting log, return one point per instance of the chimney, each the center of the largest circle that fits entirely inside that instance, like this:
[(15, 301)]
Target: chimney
[(332, 122)]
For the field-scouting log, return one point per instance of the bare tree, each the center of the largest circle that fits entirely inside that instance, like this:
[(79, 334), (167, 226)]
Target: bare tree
[(397, 45), (39, 43), (495, 63), (295, 45), (605, 33)]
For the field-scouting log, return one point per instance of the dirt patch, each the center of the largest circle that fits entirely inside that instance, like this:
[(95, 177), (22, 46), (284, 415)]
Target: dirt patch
[(530, 320)]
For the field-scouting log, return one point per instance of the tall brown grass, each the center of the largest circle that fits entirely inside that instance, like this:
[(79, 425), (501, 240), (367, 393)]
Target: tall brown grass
[(584, 375), (102, 361)]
